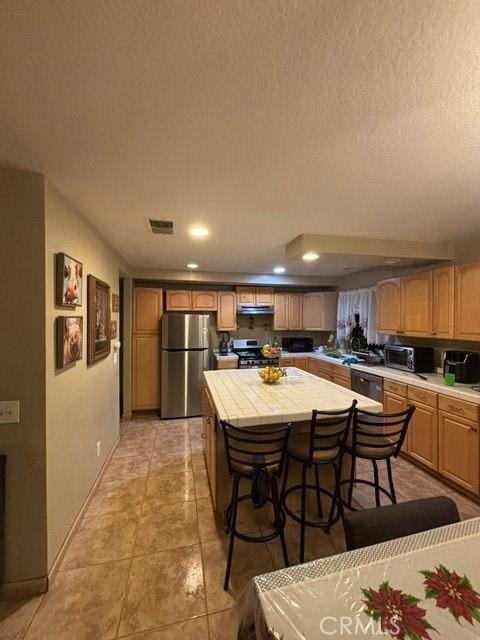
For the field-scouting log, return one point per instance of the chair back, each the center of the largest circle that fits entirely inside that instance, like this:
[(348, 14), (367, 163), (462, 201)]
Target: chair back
[(372, 526), (382, 433), (250, 449), (329, 430)]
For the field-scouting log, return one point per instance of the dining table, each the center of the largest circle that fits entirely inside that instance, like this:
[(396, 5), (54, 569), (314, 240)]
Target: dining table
[(425, 585)]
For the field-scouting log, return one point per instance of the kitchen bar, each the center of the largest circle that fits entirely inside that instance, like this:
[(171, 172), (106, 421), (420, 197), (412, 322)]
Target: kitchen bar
[(242, 399)]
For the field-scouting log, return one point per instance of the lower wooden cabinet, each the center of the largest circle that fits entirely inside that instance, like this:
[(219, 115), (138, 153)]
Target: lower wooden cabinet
[(342, 381), (210, 443), (393, 403), (337, 373), (459, 451), (422, 435), (300, 363), (145, 372)]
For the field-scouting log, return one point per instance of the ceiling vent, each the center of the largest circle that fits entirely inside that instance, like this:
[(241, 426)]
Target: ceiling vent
[(161, 226)]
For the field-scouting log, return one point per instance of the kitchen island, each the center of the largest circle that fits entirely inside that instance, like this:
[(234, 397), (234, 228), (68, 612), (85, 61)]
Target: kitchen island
[(241, 398)]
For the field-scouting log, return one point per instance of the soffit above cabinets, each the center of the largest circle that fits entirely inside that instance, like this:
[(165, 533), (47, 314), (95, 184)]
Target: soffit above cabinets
[(348, 254)]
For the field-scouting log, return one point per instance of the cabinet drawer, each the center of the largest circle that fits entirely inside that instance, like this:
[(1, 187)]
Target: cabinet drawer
[(340, 371), (300, 363), (342, 381), (460, 408), (398, 388), (287, 362), (324, 367), (417, 394)]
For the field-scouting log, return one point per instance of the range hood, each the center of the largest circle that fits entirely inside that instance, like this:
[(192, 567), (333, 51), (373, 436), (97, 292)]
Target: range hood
[(255, 309)]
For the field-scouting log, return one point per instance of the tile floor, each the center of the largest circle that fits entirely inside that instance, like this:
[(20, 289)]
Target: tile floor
[(147, 560)]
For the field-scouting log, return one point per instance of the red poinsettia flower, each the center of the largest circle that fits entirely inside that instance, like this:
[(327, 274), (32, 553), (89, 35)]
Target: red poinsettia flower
[(452, 592), (397, 612)]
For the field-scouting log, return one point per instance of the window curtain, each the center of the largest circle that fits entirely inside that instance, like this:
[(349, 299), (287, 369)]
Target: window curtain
[(362, 301)]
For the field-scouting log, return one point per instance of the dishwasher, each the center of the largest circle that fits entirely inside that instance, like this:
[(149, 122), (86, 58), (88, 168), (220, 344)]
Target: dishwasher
[(368, 385)]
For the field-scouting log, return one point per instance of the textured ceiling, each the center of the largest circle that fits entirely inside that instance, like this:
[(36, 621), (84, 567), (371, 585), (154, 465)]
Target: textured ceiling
[(263, 120)]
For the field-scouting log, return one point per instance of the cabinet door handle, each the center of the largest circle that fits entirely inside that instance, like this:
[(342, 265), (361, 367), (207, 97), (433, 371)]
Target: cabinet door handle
[(473, 428)]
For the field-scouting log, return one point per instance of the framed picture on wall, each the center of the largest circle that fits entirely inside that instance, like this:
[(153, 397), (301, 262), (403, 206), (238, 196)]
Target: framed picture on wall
[(115, 302), (98, 317), (113, 329), (69, 281), (69, 346)]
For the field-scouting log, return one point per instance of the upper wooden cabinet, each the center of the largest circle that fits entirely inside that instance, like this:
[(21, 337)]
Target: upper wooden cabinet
[(255, 295), (179, 300), (147, 310), (204, 300), (264, 295), (467, 307), (295, 310), (420, 304), (443, 294), (246, 295), (280, 316), (416, 304), (227, 311), (320, 311), (388, 306)]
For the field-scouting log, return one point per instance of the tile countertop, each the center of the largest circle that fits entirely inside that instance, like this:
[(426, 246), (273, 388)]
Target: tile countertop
[(241, 398), (434, 381)]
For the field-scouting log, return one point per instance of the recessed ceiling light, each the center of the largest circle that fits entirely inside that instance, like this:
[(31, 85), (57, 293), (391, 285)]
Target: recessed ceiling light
[(392, 261), (279, 270), (192, 265), (310, 256), (199, 232)]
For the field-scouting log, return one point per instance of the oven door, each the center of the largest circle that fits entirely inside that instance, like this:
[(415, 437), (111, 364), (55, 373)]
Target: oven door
[(397, 358)]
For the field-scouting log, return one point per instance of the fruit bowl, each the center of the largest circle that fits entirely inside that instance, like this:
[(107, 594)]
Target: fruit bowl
[(271, 375), (271, 352)]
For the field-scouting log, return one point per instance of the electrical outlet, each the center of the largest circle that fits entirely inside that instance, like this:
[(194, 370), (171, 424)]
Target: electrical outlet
[(9, 411), (99, 449)]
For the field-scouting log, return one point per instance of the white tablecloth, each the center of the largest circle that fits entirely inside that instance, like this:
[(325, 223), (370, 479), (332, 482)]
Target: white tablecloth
[(421, 586)]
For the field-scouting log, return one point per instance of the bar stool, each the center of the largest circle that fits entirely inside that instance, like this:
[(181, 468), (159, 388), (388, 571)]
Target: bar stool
[(257, 455), (324, 444), (376, 437)]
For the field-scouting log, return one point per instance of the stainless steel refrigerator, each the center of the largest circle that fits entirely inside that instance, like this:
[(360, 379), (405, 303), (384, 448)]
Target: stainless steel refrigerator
[(185, 356)]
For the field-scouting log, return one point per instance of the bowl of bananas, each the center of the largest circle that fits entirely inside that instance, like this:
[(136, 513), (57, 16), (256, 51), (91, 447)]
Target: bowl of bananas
[(271, 375), (271, 351)]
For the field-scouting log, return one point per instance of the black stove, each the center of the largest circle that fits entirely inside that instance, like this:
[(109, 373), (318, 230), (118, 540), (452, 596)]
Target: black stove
[(250, 355)]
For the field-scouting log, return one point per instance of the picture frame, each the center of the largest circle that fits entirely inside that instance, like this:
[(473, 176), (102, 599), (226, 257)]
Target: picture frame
[(98, 319), (69, 281), (115, 302), (69, 340), (113, 329)]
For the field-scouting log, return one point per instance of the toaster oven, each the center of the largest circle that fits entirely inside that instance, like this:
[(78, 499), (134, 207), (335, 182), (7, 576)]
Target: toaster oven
[(413, 359)]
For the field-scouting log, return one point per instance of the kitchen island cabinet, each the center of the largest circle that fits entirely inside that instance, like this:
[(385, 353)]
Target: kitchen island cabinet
[(242, 399)]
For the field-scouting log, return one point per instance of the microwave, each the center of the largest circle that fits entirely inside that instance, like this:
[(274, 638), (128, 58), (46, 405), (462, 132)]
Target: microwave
[(414, 359), (297, 345)]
